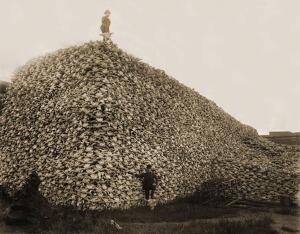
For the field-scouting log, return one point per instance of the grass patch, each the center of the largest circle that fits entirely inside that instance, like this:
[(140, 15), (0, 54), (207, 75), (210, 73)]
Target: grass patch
[(245, 226), (287, 211)]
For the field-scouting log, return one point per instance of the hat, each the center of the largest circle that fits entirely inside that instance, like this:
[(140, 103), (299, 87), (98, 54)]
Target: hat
[(107, 12)]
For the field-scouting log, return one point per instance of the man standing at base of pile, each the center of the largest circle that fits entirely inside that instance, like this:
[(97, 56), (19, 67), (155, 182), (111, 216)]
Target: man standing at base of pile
[(149, 182)]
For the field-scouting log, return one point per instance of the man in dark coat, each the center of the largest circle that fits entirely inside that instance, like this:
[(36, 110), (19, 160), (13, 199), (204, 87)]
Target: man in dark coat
[(149, 182)]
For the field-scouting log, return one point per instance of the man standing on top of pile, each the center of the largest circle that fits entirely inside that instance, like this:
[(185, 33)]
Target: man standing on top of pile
[(105, 26), (149, 182)]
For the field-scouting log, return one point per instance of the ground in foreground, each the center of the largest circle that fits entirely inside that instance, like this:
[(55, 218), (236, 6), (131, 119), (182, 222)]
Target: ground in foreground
[(175, 218)]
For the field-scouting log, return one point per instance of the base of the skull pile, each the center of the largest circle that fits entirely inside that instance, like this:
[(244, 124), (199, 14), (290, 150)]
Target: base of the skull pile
[(27, 210), (151, 203)]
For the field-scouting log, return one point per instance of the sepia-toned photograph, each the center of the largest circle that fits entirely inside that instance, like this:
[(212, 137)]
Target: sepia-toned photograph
[(149, 117)]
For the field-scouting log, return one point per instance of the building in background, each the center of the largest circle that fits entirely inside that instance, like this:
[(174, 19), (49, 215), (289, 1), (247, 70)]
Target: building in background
[(289, 138)]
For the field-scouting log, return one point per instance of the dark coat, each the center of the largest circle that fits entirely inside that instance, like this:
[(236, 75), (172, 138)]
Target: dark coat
[(149, 180)]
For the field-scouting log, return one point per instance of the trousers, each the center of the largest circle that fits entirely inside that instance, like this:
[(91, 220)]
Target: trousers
[(149, 192)]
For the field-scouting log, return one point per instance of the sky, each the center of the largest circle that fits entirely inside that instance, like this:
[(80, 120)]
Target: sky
[(242, 54)]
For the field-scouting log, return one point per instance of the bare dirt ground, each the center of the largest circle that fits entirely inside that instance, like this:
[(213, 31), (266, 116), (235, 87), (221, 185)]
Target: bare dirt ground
[(174, 218)]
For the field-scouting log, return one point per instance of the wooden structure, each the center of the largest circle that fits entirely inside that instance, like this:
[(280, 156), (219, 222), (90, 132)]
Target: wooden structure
[(288, 138)]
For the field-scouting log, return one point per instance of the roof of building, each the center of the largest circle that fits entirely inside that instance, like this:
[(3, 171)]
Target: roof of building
[(283, 134)]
